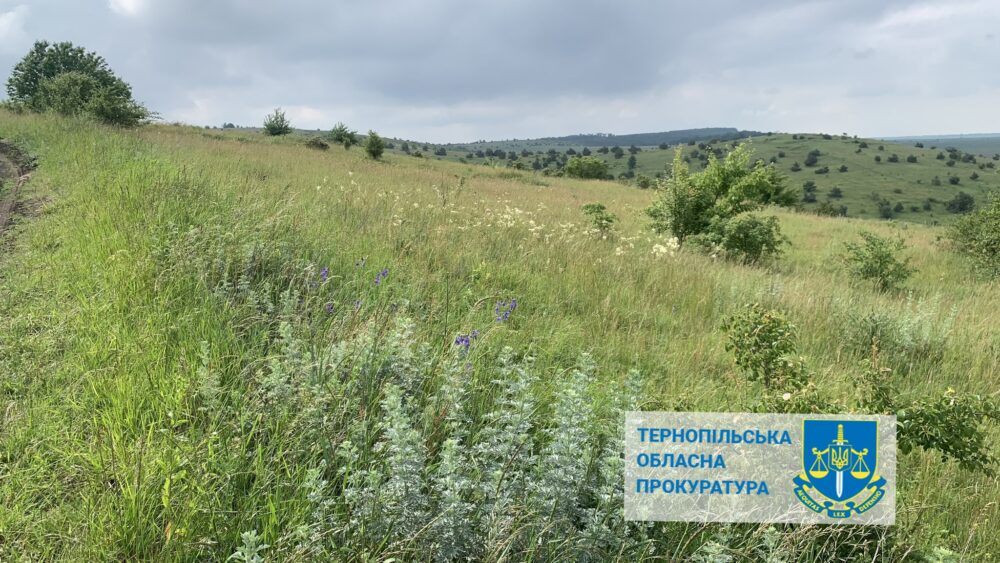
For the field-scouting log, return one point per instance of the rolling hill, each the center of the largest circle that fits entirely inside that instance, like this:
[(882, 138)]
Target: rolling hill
[(869, 177)]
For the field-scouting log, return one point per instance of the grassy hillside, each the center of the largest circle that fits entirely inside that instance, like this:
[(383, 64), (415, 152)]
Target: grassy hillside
[(907, 190), (203, 336)]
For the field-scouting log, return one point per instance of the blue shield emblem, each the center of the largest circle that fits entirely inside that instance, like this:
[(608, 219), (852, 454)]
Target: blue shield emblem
[(839, 467)]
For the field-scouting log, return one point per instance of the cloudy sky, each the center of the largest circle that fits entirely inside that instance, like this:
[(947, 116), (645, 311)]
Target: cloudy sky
[(443, 70)]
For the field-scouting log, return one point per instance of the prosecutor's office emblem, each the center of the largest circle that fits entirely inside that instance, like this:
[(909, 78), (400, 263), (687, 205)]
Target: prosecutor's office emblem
[(839, 467)]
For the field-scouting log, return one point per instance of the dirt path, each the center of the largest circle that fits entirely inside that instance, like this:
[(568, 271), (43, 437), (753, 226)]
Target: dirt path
[(15, 169)]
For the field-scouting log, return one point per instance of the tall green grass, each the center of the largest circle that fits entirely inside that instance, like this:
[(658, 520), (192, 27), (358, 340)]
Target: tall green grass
[(177, 378)]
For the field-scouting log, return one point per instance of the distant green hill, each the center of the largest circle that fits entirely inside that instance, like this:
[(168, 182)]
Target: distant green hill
[(871, 178)]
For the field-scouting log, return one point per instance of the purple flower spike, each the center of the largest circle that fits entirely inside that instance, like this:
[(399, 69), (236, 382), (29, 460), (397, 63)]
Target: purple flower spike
[(503, 309), (324, 273)]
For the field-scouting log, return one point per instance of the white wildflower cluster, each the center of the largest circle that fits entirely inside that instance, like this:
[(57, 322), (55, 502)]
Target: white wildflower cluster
[(668, 248)]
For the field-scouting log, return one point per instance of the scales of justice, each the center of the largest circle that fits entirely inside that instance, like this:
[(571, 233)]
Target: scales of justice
[(838, 456)]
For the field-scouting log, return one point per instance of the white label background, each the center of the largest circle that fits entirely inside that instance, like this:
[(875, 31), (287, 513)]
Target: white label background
[(775, 464)]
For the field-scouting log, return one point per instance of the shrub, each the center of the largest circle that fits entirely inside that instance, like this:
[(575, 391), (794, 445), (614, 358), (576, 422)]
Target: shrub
[(600, 218), (953, 180), (935, 181), (749, 238), (341, 135), (277, 124), (878, 158), (823, 170), (811, 159), (843, 168), (374, 145), (691, 204), (836, 192), (644, 182), (875, 260), (961, 203), (978, 235), (809, 186), (317, 143), (795, 167), (763, 343), (587, 167), (911, 159), (830, 210)]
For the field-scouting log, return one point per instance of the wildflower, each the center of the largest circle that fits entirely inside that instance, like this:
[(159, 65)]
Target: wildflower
[(357, 304), (381, 276), (504, 309), (324, 273), (465, 340), (329, 307), (787, 396)]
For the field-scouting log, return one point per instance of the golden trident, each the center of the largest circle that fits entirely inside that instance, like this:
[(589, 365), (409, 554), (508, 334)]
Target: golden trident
[(838, 455)]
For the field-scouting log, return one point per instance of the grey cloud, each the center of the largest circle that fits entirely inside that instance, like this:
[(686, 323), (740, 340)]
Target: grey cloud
[(449, 70)]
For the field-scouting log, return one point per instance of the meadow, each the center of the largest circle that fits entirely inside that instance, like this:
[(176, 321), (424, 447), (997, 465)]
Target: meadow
[(220, 344)]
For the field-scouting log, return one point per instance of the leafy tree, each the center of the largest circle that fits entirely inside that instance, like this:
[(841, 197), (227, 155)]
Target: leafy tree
[(585, 151), (811, 159), (71, 81), (228, 126), (590, 167), (374, 145), (341, 135), (874, 259), (440, 151), (631, 162), (617, 152), (277, 124)]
